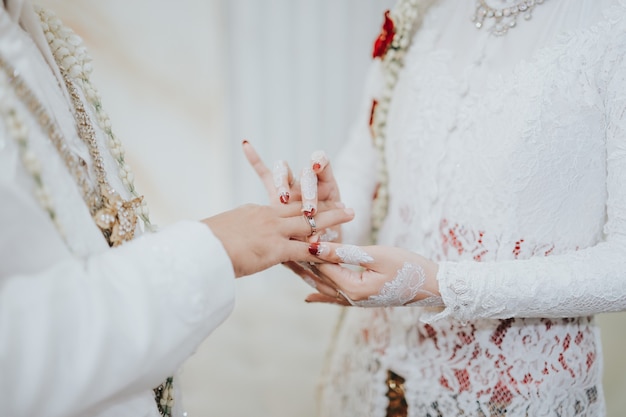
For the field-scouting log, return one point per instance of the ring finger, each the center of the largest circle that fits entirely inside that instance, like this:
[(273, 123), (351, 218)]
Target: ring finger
[(300, 225)]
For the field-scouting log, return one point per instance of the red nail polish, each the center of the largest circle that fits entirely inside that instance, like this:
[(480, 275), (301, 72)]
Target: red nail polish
[(316, 166), (244, 142), (309, 213), (314, 248), (284, 198)]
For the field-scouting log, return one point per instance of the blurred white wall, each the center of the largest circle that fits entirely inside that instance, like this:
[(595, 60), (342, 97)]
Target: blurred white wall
[(184, 82)]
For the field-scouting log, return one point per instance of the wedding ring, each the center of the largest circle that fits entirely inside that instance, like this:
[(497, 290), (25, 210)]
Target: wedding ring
[(311, 221)]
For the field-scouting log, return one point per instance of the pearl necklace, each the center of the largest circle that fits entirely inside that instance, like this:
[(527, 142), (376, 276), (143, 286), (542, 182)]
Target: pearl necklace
[(18, 130), (115, 217), (71, 55), (390, 47), (505, 18)]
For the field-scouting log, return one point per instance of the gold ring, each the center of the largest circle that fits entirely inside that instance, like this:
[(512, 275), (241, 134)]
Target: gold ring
[(311, 221)]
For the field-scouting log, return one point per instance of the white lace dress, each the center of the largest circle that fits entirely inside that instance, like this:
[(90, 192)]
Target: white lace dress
[(507, 163)]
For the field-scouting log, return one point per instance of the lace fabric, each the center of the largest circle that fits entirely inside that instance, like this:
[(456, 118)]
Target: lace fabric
[(507, 167), (402, 289)]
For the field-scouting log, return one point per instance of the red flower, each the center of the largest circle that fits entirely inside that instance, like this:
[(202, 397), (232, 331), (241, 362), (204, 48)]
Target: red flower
[(384, 39)]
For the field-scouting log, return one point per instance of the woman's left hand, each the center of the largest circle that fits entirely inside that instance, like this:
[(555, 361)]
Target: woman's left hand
[(385, 277)]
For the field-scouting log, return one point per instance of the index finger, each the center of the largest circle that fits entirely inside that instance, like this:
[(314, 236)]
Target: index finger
[(320, 164), (342, 254), (260, 168)]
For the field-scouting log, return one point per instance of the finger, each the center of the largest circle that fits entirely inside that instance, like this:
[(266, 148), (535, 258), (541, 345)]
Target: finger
[(304, 226), (291, 209), (329, 234), (319, 161), (327, 184), (319, 281), (338, 276), (301, 269), (281, 175), (297, 251), (352, 284), (294, 207), (295, 190), (308, 187), (328, 205), (260, 168), (323, 298), (342, 254), (327, 283), (323, 288)]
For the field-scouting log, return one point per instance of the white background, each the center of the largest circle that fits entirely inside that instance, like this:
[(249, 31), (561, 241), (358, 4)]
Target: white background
[(184, 82)]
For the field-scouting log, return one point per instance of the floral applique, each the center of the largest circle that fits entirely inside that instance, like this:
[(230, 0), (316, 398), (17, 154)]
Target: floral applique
[(383, 42)]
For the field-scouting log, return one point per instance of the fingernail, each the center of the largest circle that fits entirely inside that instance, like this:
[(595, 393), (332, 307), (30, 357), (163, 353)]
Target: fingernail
[(318, 249), (339, 204), (309, 210), (314, 248), (349, 211), (284, 198), (318, 159), (245, 141)]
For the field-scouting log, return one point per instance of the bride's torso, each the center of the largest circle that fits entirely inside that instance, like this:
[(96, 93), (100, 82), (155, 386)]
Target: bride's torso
[(496, 145), (496, 151)]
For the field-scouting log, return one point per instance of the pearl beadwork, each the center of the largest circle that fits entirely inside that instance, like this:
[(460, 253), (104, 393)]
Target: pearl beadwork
[(70, 53), (505, 18), (404, 17), (19, 132)]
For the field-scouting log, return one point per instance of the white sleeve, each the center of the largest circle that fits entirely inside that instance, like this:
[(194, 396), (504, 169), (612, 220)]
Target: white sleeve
[(82, 333), (583, 282)]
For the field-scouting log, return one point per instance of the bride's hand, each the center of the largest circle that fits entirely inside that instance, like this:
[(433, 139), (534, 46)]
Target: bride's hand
[(385, 277), (317, 188), (279, 183), (257, 237), (327, 191)]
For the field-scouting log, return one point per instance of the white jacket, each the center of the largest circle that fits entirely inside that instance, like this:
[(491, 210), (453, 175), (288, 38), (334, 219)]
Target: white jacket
[(86, 330)]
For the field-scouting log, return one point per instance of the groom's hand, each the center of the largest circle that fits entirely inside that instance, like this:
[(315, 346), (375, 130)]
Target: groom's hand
[(317, 189)]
